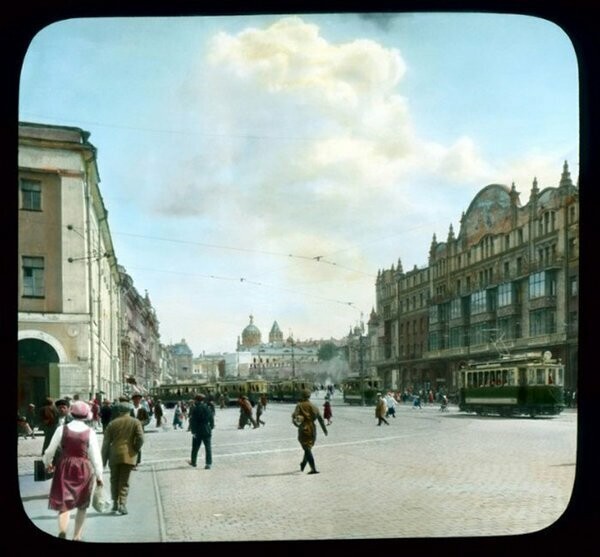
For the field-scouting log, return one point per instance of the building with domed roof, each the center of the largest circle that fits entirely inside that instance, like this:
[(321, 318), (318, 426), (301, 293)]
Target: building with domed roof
[(277, 359), (508, 281)]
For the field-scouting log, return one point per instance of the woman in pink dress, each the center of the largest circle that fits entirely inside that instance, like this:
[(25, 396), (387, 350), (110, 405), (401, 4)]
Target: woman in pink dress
[(78, 461)]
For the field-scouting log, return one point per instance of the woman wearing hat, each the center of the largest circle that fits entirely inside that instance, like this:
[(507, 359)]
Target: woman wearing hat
[(304, 416), (80, 460)]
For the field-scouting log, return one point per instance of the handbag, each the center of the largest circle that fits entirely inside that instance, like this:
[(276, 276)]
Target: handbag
[(99, 501), (40, 473)]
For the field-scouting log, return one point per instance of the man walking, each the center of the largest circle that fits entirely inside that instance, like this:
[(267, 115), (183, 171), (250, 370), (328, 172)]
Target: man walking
[(304, 416), (123, 439), (201, 424), (380, 410)]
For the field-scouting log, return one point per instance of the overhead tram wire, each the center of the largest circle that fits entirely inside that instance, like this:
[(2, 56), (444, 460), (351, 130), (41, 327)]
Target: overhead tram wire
[(317, 259), (252, 282)]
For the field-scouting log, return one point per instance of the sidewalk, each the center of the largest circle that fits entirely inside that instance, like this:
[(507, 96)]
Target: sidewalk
[(142, 524)]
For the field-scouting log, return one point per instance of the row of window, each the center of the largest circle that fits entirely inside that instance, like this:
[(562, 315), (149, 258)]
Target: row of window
[(540, 284), (541, 322), (513, 376)]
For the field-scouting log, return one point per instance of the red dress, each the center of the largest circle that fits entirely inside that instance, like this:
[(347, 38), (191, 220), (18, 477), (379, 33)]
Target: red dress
[(327, 411), (73, 479)]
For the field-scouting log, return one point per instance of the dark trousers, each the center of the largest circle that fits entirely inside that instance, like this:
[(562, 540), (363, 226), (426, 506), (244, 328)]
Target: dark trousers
[(196, 442), (119, 482)]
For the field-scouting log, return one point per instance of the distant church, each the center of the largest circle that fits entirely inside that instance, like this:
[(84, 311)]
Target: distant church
[(277, 358)]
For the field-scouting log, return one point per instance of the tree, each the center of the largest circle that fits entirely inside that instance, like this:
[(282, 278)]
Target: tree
[(327, 351)]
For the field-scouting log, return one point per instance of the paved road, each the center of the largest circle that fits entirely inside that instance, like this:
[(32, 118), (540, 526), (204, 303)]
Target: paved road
[(427, 475)]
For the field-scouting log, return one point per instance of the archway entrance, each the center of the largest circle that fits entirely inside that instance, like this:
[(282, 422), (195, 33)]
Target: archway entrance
[(34, 381)]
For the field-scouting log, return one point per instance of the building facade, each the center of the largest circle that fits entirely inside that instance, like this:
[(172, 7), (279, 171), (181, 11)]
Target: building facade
[(279, 358), (507, 282), (140, 339), (68, 288)]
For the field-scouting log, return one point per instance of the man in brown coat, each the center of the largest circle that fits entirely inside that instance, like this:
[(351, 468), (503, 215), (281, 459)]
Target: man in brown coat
[(123, 439)]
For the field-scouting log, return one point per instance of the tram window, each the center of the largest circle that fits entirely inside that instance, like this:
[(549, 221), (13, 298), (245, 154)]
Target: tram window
[(550, 377), (540, 376), (531, 376), (560, 377)]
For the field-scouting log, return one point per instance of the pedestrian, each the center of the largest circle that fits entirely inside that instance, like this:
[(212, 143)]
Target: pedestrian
[(246, 413), (261, 406), (391, 405), (327, 413), (64, 411), (417, 402), (95, 413), (178, 416), (123, 440), (105, 414), (31, 417), (201, 422), (380, 410), (48, 421), (158, 412), (23, 427), (140, 412), (77, 466), (303, 417)]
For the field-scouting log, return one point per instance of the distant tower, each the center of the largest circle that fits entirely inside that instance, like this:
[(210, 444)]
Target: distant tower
[(275, 336)]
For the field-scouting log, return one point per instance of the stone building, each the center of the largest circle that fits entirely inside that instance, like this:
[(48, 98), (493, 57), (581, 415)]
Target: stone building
[(278, 358), (68, 287), (140, 339), (182, 356), (507, 282)]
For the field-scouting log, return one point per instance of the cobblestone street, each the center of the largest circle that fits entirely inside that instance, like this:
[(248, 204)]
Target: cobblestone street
[(428, 474)]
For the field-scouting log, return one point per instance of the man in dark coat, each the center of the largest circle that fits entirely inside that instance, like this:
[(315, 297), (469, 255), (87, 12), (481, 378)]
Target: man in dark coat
[(201, 424), (48, 420)]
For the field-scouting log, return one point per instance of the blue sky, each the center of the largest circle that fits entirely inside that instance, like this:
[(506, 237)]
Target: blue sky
[(270, 165)]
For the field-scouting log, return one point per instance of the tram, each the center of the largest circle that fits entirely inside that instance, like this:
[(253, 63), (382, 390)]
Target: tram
[(170, 394), (359, 389), (233, 389), (288, 390), (513, 385)]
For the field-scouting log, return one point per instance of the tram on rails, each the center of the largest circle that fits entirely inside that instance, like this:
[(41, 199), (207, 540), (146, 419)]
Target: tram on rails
[(288, 390), (231, 390), (361, 389), (172, 393), (513, 385)]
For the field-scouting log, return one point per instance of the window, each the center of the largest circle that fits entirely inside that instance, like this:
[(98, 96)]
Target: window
[(456, 308), (537, 285), (33, 277), (433, 314), (573, 281), (505, 294), (478, 302), (542, 322), (31, 195)]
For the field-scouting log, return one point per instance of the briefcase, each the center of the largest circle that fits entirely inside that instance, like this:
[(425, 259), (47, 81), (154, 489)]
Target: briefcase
[(40, 474)]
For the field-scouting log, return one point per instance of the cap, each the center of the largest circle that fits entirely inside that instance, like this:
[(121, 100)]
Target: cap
[(136, 395), (305, 394), (80, 409), (61, 402)]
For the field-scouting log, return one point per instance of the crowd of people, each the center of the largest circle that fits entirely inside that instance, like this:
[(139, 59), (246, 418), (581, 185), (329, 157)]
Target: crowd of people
[(76, 455)]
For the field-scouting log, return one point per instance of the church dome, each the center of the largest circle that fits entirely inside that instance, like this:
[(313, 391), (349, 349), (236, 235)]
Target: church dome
[(251, 334)]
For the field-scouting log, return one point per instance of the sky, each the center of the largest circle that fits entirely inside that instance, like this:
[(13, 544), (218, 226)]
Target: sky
[(271, 165)]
